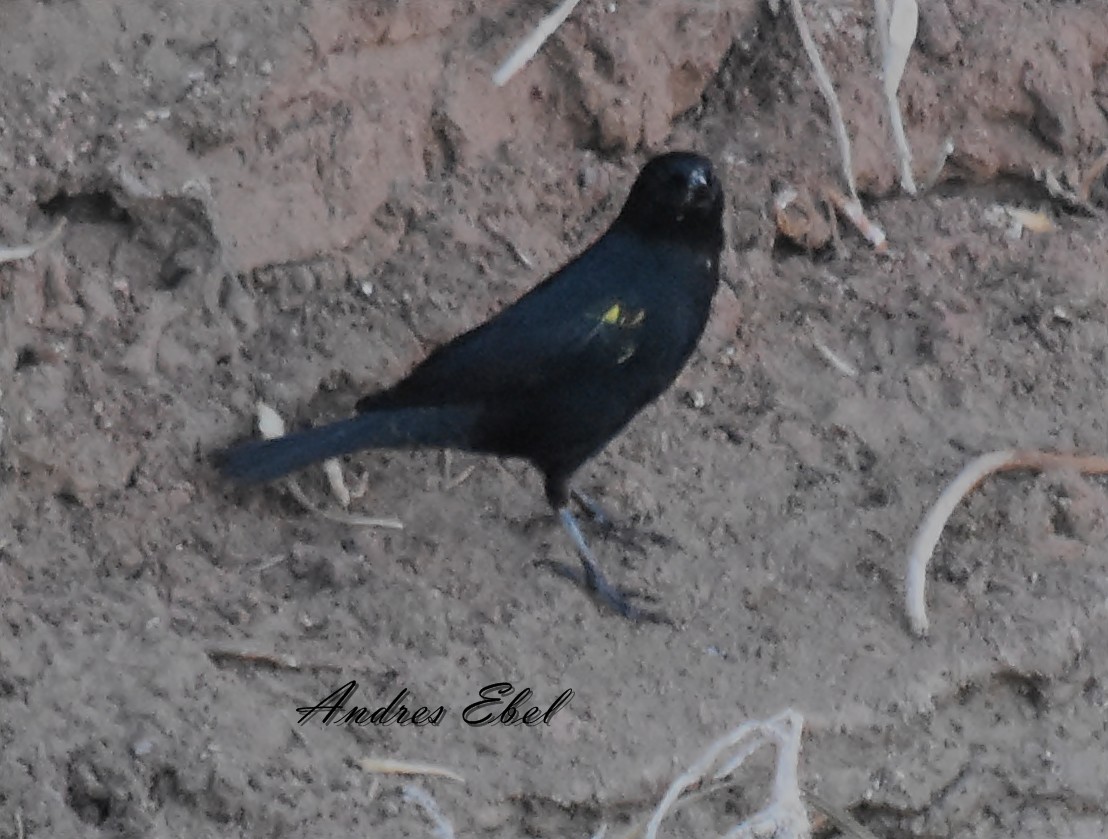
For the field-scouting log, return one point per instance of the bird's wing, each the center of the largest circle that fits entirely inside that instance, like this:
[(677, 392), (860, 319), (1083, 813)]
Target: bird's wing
[(583, 317)]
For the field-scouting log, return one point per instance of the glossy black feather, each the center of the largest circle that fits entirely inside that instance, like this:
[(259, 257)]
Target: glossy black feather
[(557, 374)]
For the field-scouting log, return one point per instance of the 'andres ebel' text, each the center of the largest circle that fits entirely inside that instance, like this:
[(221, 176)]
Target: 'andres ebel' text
[(500, 704)]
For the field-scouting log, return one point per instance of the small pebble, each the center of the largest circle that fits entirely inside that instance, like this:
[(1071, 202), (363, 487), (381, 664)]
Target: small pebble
[(697, 399)]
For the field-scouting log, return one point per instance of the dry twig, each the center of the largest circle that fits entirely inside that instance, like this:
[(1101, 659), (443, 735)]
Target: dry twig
[(1096, 171), (851, 210), (533, 43), (278, 661), (840, 818), (1062, 191), (512, 247), (342, 518), (18, 252), (461, 478)]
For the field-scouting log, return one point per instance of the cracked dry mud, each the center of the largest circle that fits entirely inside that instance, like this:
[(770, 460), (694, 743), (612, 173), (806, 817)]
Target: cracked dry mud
[(294, 201)]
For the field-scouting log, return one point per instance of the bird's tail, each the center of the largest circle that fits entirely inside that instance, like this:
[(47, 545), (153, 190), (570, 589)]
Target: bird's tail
[(258, 461)]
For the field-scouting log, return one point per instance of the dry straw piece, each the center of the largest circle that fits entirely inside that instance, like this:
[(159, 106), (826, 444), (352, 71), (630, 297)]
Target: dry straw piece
[(836, 360), (271, 425), (971, 477)]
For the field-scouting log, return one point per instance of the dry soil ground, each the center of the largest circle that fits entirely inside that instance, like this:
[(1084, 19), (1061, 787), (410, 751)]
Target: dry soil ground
[(293, 200)]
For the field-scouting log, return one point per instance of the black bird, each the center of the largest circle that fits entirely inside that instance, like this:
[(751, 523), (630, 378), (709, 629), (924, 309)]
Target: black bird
[(556, 375)]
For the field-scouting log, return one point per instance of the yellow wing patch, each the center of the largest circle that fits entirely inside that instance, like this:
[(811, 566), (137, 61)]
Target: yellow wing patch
[(626, 321)]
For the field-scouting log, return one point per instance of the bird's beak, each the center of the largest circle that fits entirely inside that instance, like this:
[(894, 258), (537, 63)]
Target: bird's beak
[(699, 190)]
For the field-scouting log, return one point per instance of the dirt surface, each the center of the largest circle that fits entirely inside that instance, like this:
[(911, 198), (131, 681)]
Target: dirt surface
[(294, 201)]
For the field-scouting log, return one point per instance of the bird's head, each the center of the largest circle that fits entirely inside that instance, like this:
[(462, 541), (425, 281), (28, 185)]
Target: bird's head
[(678, 196)]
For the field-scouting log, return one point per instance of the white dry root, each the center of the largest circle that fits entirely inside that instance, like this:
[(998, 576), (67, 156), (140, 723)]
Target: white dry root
[(896, 29), (850, 207), (823, 80), (975, 472), (784, 817), (896, 32)]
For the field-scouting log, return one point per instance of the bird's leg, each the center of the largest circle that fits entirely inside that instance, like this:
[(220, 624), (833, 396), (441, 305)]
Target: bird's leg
[(594, 508), (592, 578), (628, 535), (589, 576)]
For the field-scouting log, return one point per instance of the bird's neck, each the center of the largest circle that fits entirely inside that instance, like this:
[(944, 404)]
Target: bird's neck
[(696, 234)]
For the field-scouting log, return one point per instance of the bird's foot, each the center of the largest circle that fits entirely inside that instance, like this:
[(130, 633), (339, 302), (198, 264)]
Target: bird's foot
[(628, 536), (617, 598), (592, 579)]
